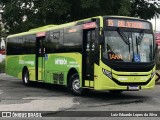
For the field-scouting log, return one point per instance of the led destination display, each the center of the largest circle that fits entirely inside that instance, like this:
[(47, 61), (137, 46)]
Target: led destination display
[(126, 23)]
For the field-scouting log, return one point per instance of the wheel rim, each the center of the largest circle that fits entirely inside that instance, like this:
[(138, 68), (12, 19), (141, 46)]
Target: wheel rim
[(76, 85), (26, 78)]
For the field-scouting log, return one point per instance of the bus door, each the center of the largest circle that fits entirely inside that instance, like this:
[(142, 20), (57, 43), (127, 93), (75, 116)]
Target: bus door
[(88, 57), (40, 53)]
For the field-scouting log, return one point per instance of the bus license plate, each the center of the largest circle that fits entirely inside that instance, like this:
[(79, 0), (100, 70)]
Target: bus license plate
[(133, 87)]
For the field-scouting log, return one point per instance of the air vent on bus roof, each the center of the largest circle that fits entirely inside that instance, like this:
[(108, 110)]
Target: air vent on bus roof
[(43, 27)]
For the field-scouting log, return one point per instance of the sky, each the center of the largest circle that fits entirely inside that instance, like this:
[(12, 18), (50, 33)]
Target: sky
[(157, 24), (157, 19)]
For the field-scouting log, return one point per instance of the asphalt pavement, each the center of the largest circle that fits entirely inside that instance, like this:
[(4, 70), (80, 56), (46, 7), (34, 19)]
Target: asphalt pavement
[(14, 96)]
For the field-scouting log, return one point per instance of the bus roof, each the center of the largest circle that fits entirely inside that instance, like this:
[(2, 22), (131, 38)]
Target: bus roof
[(42, 29), (53, 27)]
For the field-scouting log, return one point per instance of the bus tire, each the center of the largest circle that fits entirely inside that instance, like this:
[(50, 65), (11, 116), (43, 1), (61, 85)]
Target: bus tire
[(74, 85), (116, 91), (25, 77)]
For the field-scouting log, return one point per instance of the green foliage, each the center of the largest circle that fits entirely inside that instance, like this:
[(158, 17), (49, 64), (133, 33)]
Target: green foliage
[(125, 8), (143, 9), (2, 67), (22, 15)]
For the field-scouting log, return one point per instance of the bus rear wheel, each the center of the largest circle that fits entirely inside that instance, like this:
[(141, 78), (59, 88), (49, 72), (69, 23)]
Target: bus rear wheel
[(74, 85), (25, 77)]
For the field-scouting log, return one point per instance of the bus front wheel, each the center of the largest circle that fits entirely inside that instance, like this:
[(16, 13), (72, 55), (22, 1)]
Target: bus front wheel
[(25, 77), (74, 85)]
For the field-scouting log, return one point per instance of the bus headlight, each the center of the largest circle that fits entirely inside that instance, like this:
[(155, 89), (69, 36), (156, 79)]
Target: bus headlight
[(152, 74), (107, 73)]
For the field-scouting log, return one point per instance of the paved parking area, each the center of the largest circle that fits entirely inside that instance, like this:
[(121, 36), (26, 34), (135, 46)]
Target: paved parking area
[(14, 96)]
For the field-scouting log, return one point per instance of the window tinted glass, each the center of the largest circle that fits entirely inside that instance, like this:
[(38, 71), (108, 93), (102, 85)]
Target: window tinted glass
[(73, 39), (21, 45), (53, 41)]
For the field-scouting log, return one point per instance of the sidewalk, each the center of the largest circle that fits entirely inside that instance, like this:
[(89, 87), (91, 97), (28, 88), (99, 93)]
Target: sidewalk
[(3, 76)]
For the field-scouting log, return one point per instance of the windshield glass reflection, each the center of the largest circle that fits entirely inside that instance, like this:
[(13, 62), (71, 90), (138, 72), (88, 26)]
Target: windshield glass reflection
[(128, 46)]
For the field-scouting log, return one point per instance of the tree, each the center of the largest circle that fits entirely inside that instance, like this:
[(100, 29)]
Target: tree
[(143, 9), (22, 15)]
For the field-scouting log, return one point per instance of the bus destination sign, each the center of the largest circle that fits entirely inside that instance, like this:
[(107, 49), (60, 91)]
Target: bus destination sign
[(126, 23)]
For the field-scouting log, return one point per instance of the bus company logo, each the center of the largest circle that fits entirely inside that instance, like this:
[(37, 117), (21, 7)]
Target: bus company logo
[(22, 62), (6, 114), (20, 114), (61, 61)]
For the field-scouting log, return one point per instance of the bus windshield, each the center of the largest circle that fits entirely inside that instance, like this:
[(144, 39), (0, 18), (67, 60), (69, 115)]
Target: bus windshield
[(128, 46)]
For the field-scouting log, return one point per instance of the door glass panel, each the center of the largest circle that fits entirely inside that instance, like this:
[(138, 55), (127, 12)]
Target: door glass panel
[(40, 59), (90, 49)]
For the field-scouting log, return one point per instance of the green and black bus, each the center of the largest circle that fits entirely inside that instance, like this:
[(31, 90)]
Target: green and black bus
[(112, 53)]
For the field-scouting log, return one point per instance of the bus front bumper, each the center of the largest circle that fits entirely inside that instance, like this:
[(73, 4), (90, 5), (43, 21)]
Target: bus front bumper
[(126, 83)]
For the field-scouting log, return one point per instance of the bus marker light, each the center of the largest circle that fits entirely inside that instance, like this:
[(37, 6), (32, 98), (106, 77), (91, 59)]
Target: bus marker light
[(40, 34), (72, 30), (89, 25)]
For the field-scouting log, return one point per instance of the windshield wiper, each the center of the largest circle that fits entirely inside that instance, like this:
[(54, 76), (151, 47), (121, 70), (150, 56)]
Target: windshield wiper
[(139, 38), (123, 36)]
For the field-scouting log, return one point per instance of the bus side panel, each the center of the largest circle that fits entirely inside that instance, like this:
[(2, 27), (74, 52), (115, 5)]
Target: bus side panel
[(58, 65), (102, 82), (12, 65), (16, 63)]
